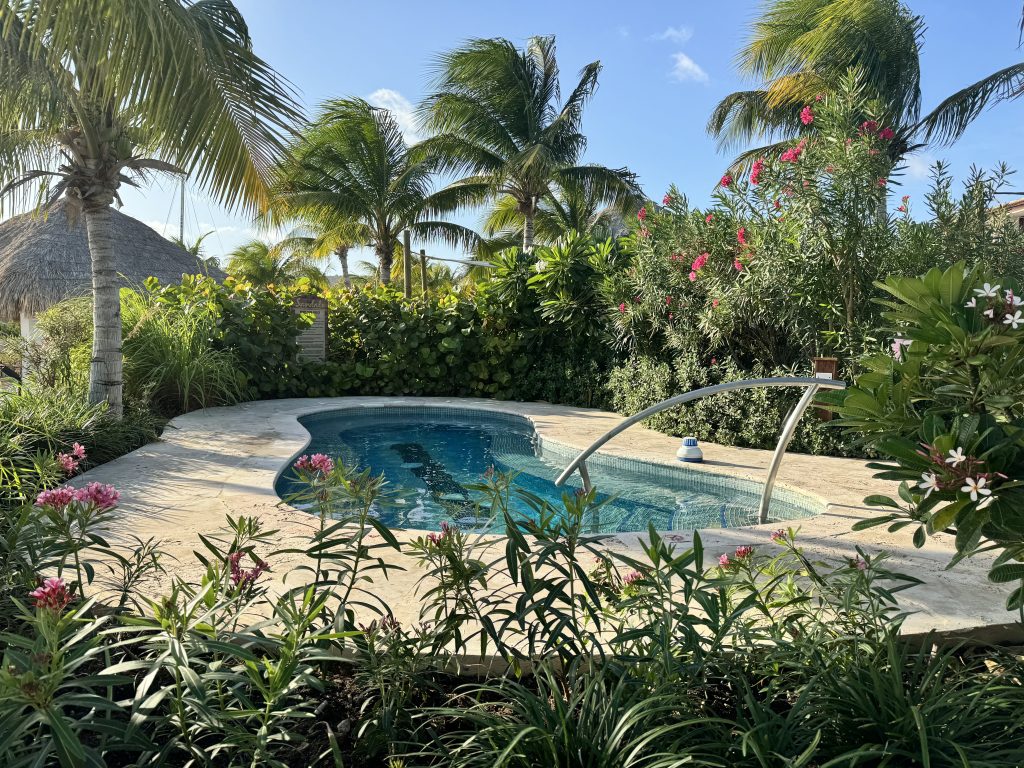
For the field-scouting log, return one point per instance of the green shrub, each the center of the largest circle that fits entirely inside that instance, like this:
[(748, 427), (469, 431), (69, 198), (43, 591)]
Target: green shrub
[(747, 418), (947, 410)]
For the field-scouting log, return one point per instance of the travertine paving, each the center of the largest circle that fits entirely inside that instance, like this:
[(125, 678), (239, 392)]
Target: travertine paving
[(224, 461)]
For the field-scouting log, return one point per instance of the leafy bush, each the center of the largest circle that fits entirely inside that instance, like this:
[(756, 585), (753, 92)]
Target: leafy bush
[(947, 409), (748, 418)]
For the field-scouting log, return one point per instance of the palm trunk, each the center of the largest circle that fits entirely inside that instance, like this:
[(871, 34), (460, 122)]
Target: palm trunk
[(385, 256), (342, 253), (528, 232), (105, 368)]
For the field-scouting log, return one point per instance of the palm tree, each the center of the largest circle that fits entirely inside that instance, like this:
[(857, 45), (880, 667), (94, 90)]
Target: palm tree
[(497, 115), (569, 207), (800, 48), (90, 86), (260, 263), (351, 168)]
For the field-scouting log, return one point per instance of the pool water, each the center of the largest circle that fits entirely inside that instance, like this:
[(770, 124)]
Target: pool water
[(431, 456)]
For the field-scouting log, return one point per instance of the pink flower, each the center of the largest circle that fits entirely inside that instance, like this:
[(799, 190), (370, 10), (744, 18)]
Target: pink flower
[(737, 265), (792, 154), (58, 498), (642, 215), (693, 276), (860, 563), (241, 577), (699, 262), (52, 594), (744, 552), (622, 307), (302, 462), (78, 450), (98, 494), (755, 170), (714, 361), (645, 232), (779, 535), (726, 180), (741, 236), (666, 200), (67, 462), (723, 560), (819, 96), (886, 133), (632, 578), (868, 126), (708, 218), (777, 205), (714, 302), (668, 299), (902, 209), (882, 182), (806, 116), (906, 199), (671, 316), (318, 462)]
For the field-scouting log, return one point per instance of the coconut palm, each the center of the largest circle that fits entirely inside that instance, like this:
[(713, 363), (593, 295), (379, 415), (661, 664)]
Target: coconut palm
[(801, 48), (351, 168), (497, 115), (263, 264), (91, 87)]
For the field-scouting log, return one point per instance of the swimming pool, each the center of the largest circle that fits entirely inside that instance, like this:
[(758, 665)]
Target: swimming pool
[(431, 455)]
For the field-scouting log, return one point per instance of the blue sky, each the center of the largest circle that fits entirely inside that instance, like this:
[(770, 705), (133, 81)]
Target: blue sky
[(666, 64)]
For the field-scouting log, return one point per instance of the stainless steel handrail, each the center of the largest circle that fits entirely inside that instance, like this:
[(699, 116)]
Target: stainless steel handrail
[(813, 386)]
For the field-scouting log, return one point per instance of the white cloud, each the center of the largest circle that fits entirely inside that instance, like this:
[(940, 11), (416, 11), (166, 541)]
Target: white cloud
[(919, 166), (401, 108), (678, 34), (686, 68), (623, 31), (167, 230)]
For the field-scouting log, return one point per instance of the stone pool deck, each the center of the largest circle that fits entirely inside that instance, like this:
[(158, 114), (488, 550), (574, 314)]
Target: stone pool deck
[(224, 461)]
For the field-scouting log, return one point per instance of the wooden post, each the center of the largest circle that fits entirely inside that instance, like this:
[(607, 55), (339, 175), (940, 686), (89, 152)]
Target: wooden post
[(423, 270), (407, 262), (825, 368)]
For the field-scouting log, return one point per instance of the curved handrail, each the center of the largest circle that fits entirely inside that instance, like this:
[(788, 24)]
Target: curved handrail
[(812, 384)]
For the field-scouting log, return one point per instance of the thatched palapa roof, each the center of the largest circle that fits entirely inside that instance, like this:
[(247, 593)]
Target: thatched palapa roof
[(44, 260)]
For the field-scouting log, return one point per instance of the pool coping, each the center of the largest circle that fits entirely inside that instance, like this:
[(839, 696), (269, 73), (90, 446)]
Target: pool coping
[(219, 461)]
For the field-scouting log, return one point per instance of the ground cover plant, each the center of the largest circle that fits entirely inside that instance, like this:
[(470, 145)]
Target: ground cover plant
[(668, 656)]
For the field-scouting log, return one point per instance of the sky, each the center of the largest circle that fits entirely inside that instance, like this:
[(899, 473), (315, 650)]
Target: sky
[(665, 66)]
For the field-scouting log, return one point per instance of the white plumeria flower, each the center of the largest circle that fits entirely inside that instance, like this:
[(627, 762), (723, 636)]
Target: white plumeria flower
[(987, 290), (1014, 320), (929, 482), (1013, 299), (541, 265), (956, 458), (989, 313), (972, 303), (975, 487)]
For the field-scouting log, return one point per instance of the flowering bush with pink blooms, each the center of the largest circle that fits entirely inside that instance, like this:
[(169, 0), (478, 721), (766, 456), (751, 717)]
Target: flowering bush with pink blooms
[(945, 409)]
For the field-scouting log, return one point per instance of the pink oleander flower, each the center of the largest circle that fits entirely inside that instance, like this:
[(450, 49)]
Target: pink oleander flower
[(779, 535), (708, 218), (806, 116), (78, 450), (242, 577), (726, 180), (723, 560), (901, 208), (744, 552), (670, 317), (102, 496), (642, 214), (622, 307), (860, 563), (52, 594), (699, 262), (741, 236), (693, 277), (819, 96), (868, 126), (756, 169), (668, 300), (302, 463), (737, 265), (322, 463), (714, 361), (632, 578), (666, 200), (882, 182), (58, 498), (714, 302), (886, 134), (67, 462), (906, 199)]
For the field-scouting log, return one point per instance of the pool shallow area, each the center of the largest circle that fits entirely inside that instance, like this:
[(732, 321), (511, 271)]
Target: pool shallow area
[(432, 457)]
